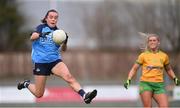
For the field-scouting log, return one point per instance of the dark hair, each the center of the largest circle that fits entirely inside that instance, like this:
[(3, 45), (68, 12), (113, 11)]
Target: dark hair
[(44, 19)]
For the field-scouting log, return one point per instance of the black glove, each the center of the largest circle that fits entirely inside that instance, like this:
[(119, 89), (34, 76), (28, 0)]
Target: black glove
[(176, 81), (65, 41), (44, 34), (127, 83)]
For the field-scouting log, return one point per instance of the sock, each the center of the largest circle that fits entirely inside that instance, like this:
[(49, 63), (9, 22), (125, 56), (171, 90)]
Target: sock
[(81, 92), (26, 84)]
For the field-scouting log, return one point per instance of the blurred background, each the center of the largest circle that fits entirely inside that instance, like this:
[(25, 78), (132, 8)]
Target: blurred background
[(103, 45)]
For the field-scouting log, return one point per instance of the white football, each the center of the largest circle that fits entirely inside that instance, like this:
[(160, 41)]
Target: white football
[(59, 36)]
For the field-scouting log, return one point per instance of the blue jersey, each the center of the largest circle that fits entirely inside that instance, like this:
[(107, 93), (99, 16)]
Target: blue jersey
[(44, 50)]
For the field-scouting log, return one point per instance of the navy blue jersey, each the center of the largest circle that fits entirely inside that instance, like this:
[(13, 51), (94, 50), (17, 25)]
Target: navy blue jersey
[(44, 50)]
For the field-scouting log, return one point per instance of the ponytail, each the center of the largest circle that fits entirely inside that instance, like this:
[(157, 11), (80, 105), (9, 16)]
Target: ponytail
[(144, 39)]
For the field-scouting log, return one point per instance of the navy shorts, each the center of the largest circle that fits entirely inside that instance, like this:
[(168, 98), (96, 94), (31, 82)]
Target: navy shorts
[(44, 68)]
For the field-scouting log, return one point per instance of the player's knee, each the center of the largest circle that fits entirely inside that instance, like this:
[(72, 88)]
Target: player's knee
[(39, 95), (163, 105), (148, 105)]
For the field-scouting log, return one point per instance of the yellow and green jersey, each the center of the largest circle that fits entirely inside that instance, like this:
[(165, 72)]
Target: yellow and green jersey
[(152, 65)]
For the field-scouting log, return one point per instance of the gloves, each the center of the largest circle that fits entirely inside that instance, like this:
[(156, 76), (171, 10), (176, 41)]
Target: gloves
[(176, 81), (44, 34), (65, 42), (127, 83)]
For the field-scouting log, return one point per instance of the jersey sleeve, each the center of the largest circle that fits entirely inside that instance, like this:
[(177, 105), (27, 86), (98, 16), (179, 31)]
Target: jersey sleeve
[(166, 61), (140, 59), (39, 28)]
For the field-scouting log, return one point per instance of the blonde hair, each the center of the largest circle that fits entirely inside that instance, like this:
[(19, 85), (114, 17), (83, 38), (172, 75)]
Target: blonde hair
[(153, 35), (145, 38)]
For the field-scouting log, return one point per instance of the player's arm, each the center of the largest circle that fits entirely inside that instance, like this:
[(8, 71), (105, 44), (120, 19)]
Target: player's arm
[(171, 74), (64, 44), (38, 33), (132, 72), (169, 71), (34, 36)]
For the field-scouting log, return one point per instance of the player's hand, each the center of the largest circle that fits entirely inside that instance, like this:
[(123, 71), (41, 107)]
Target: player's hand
[(64, 45), (127, 83), (65, 42), (176, 81), (44, 34)]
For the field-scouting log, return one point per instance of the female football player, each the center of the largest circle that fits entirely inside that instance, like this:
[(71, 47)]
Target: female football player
[(47, 60), (151, 85)]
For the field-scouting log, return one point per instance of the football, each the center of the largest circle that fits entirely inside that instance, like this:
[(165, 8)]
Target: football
[(59, 36)]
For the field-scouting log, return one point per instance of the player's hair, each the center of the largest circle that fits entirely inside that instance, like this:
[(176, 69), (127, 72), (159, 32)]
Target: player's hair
[(44, 19), (145, 37), (143, 43), (153, 35)]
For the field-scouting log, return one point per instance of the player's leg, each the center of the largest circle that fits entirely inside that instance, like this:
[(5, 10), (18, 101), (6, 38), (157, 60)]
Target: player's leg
[(160, 94), (146, 98), (36, 89), (146, 93), (161, 100), (39, 87), (62, 71)]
